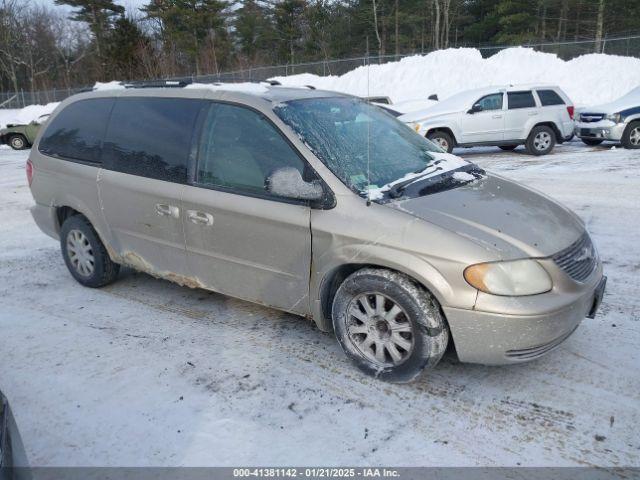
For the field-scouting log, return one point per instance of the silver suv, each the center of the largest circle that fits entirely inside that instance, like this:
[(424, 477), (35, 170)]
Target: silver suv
[(537, 117), (618, 121), (318, 204)]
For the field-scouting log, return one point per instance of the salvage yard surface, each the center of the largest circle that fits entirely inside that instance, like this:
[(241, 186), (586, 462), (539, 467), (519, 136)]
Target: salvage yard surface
[(145, 372)]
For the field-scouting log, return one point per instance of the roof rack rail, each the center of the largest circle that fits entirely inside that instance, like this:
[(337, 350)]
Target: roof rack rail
[(159, 84)]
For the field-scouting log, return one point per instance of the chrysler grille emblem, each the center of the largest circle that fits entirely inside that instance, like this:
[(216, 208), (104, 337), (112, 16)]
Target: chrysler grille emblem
[(585, 254)]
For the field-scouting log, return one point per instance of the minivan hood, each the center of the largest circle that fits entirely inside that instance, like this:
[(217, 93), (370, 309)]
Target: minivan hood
[(501, 215)]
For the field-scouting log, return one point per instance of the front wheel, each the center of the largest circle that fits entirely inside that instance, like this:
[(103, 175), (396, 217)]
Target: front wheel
[(631, 135), (592, 142), (541, 140), (442, 139), (388, 326)]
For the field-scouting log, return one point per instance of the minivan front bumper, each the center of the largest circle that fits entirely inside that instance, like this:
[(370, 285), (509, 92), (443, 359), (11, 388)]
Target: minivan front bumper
[(497, 339)]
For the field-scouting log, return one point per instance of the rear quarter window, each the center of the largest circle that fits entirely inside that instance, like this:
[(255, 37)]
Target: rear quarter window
[(76, 132), (521, 100), (151, 137), (549, 97)]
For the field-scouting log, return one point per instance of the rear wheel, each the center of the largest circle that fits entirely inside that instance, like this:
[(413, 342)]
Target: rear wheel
[(442, 139), (508, 147), (84, 253), (541, 140), (631, 135), (17, 142), (388, 326), (592, 142)]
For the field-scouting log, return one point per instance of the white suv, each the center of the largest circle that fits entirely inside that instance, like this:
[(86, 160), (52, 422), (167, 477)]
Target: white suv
[(535, 116)]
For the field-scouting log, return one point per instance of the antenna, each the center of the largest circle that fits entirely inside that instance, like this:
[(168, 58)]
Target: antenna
[(368, 63)]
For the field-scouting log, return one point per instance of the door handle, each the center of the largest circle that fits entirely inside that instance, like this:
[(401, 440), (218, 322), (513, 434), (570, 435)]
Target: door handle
[(165, 210), (531, 114), (200, 218), (497, 116)]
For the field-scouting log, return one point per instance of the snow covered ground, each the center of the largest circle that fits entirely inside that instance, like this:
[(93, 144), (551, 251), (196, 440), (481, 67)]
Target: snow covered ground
[(145, 372)]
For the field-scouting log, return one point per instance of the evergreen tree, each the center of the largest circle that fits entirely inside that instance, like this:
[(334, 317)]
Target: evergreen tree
[(290, 21), (196, 27), (99, 15), (124, 44), (254, 32)]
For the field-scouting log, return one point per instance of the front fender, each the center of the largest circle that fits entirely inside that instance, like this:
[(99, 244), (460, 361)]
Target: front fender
[(415, 266)]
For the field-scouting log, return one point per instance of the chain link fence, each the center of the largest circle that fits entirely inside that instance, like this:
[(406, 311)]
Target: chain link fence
[(625, 46)]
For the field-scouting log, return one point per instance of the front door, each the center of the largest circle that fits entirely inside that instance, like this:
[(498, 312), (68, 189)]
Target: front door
[(486, 125), (241, 240)]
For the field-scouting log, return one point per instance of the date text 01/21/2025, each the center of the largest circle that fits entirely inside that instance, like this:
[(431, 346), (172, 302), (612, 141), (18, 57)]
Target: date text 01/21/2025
[(316, 472)]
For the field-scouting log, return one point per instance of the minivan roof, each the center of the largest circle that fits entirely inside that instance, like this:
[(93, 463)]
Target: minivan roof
[(228, 91)]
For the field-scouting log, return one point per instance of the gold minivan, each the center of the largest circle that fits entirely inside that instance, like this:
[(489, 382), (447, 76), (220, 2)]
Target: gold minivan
[(319, 204)]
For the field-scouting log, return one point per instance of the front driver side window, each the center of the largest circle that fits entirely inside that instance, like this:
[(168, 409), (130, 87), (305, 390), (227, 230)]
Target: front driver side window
[(491, 102), (239, 149)]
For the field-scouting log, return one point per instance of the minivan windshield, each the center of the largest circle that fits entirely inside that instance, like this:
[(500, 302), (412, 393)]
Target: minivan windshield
[(362, 144)]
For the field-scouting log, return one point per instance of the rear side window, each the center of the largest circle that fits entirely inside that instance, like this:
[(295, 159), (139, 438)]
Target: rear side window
[(151, 137), (521, 100), (76, 132), (549, 97)]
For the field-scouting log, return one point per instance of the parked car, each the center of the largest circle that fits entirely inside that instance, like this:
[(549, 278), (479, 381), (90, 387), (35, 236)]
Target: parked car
[(400, 108), (318, 204), (618, 121), (21, 136), (13, 459), (535, 116)]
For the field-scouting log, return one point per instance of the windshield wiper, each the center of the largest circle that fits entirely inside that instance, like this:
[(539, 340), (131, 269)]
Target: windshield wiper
[(396, 190)]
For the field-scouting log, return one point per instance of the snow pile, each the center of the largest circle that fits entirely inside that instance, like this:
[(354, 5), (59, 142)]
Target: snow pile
[(25, 115), (113, 85), (588, 79), (246, 87)]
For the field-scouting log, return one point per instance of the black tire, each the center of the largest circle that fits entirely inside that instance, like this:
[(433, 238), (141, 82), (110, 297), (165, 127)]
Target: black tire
[(104, 270), (18, 142), (592, 142), (419, 312), (541, 140), (442, 139), (631, 136), (508, 148)]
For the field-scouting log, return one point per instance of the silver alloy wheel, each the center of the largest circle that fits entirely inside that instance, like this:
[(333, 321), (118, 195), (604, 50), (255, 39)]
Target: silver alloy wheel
[(542, 141), (634, 136), (17, 142), (379, 329), (442, 143), (80, 253)]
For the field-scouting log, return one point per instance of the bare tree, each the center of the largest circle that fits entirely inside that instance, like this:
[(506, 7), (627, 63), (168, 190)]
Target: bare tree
[(599, 26)]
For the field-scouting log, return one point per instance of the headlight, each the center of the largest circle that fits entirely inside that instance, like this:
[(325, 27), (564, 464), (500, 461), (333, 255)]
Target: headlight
[(519, 277), (614, 117)]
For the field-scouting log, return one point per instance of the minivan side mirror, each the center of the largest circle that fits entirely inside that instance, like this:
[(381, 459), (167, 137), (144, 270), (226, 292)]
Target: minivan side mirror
[(287, 182), (476, 108)]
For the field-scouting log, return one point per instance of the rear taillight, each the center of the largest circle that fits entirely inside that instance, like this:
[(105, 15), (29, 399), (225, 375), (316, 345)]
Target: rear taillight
[(29, 172), (571, 111)]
